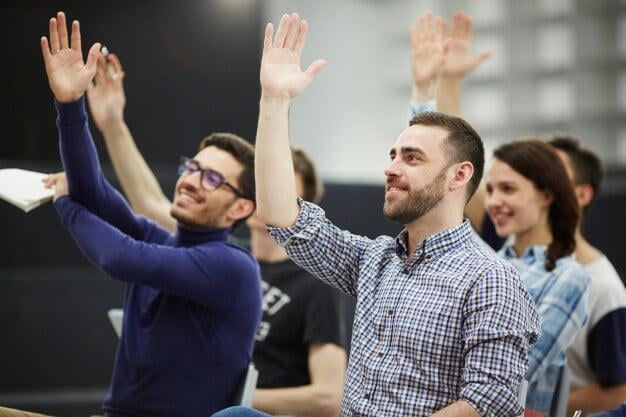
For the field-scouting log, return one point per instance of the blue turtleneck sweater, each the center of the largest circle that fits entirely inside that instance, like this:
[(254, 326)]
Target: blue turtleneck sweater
[(193, 300)]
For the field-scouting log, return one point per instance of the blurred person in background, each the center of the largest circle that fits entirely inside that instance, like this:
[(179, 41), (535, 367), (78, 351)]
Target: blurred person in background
[(597, 358), (529, 198)]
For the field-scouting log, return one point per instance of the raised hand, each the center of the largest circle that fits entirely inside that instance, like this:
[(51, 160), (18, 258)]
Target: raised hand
[(427, 49), (68, 75), (281, 75), (106, 94), (459, 61)]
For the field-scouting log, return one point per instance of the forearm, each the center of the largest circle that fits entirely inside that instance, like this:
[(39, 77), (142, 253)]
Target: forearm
[(86, 182), (79, 156), (303, 401), (422, 93), (135, 176), (457, 409), (275, 180), (449, 96), (594, 398)]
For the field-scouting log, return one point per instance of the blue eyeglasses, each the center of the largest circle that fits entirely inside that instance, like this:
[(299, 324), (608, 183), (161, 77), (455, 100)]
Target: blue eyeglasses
[(210, 179)]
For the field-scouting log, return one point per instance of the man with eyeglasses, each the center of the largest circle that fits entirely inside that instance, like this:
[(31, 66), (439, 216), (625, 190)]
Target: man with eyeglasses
[(193, 301)]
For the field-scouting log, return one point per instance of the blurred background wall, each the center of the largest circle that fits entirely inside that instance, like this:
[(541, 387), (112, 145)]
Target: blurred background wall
[(192, 68)]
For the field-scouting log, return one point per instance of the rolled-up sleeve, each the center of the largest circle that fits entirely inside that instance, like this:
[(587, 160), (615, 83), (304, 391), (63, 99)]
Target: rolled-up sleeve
[(326, 251), (500, 323)]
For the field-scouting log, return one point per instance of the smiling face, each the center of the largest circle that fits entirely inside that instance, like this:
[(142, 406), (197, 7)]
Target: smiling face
[(513, 202), (417, 175), (195, 206)]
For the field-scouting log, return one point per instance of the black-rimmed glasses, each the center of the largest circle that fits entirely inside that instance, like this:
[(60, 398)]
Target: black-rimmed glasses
[(210, 179)]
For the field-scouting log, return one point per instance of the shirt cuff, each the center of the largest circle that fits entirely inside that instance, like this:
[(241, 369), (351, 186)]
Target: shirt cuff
[(417, 108), (72, 113), (491, 400), (283, 236)]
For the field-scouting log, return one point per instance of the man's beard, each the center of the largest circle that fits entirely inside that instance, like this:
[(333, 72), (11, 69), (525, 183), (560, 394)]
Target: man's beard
[(418, 202)]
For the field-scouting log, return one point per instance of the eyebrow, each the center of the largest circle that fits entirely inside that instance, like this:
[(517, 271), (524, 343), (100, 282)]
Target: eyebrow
[(408, 149)]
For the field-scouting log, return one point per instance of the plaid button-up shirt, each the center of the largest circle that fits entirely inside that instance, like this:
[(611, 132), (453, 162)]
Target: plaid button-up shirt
[(561, 296), (452, 322)]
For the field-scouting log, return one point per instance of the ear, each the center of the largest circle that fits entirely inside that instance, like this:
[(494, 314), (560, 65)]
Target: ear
[(546, 198), (240, 209), (461, 175), (584, 194)]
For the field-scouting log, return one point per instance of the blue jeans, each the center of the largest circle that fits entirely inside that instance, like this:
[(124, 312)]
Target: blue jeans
[(240, 412)]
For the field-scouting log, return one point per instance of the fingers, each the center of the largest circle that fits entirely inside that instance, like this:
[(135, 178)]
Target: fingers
[(292, 31), (267, 40), (281, 33), (76, 36), (438, 29), (116, 66), (92, 58), (45, 50), (315, 67), (55, 46), (62, 29), (484, 56), (462, 26), (101, 70), (303, 30), (51, 180)]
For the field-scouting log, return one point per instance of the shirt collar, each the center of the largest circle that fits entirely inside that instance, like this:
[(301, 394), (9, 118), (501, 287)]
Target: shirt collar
[(437, 244), (532, 254)]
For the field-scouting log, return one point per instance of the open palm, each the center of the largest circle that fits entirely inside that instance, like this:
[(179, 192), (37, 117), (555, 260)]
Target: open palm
[(459, 60), (427, 49), (281, 75), (68, 75)]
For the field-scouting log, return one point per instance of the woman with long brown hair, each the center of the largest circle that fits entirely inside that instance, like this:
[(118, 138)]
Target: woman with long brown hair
[(531, 201)]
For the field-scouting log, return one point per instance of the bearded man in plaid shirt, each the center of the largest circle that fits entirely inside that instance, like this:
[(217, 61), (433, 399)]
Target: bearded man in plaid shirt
[(442, 325)]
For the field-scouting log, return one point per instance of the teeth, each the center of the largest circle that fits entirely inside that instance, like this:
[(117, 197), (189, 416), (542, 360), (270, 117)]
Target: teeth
[(187, 197)]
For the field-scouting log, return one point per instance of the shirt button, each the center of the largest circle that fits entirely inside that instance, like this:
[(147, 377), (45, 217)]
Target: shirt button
[(390, 312), (380, 354), (366, 396)]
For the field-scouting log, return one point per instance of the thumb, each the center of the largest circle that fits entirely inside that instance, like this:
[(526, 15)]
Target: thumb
[(483, 56), (315, 67), (92, 58)]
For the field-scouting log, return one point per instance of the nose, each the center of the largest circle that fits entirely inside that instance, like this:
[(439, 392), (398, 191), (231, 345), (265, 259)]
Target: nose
[(493, 200), (392, 169)]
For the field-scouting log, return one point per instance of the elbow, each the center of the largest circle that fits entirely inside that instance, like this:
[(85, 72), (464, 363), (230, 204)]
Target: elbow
[(326, 402)]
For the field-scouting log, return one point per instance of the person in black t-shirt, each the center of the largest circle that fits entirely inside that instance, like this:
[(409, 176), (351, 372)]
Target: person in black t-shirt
[(299, 344)]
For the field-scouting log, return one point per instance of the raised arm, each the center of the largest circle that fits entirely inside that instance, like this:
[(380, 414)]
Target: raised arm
[(427, 58), (459, 63), (281, 80), (69, 78), (194, 273), (107, 101)]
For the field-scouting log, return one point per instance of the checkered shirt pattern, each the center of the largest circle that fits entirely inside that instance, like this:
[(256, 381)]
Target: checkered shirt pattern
[(452, 322), (561, 296)]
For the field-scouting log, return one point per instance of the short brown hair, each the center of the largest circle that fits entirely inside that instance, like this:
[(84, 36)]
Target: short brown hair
[(585, 164), (539, 162), (242, 151), (303, 165), (462, 144)]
